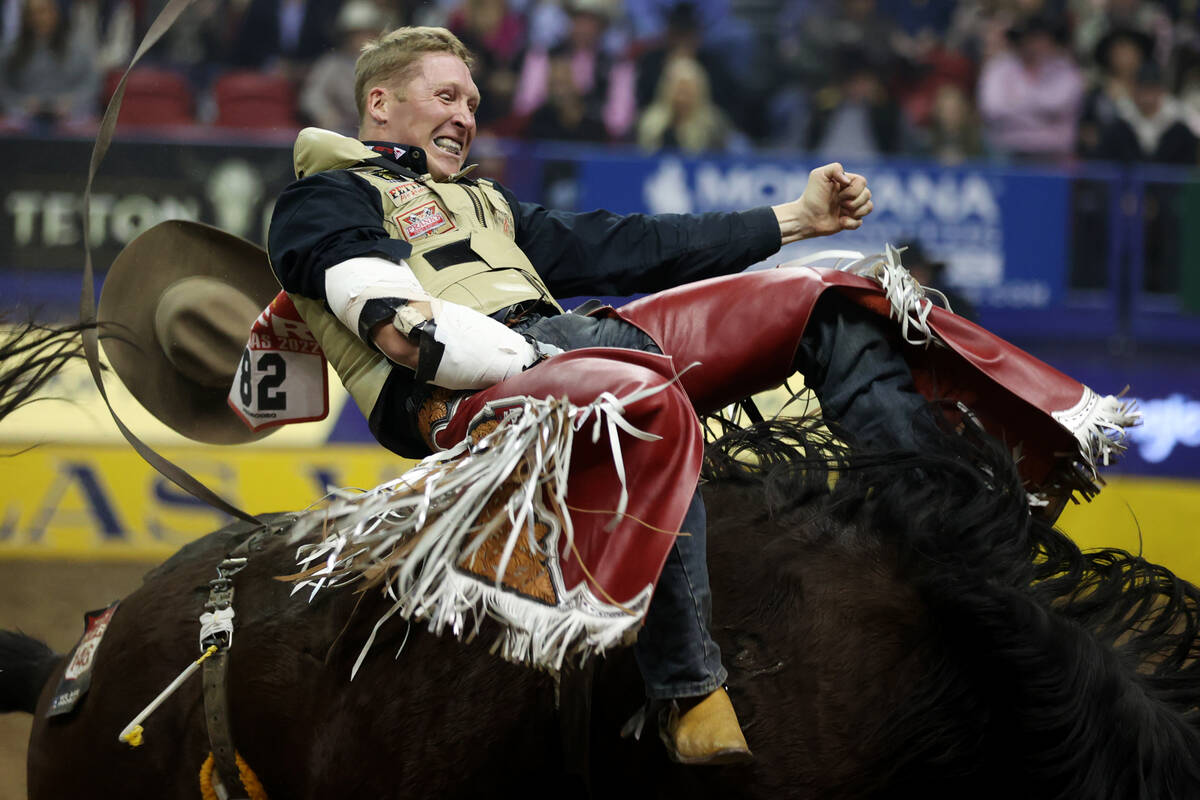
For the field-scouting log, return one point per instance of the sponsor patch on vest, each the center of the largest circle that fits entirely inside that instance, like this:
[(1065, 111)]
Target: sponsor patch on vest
[(424, 220), (407, 191), (78, 675), (506, 222)]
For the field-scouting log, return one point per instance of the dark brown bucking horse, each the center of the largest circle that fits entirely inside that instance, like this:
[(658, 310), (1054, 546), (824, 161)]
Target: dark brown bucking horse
[(912, 629)]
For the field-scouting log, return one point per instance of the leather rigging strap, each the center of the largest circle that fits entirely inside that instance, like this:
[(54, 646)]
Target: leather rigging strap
[(216, 698), (87, 301)]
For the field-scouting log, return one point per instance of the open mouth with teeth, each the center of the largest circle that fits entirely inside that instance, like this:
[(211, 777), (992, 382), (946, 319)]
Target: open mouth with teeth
[(448, 145)]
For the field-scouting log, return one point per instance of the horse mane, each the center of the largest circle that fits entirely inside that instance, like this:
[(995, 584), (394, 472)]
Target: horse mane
[(1051, 671), (30, 356)]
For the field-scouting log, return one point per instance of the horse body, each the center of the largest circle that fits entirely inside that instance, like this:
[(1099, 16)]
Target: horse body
[(913, 630)]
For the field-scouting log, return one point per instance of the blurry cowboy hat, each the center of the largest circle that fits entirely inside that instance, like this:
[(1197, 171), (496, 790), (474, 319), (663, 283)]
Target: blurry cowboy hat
[(915, 256), (1042, 22), (1139, 39), (175, 315), (360, 15), (605, 9)]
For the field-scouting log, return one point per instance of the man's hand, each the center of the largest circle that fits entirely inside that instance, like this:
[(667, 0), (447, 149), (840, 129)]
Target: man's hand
[(833, 201), (395, 345)]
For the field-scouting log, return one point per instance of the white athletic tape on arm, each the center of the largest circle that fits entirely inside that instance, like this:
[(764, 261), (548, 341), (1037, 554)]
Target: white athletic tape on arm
[(479, 351), (352, 283)]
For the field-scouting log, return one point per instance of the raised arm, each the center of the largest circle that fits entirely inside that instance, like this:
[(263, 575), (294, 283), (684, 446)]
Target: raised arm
[(604, 253)]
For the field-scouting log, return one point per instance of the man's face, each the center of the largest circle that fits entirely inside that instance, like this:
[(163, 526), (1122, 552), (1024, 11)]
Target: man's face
[(436, 112), (1148, 97)]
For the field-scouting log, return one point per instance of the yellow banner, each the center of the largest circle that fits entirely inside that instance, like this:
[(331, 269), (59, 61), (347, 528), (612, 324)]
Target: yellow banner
[(1151, 516), (106, 503)]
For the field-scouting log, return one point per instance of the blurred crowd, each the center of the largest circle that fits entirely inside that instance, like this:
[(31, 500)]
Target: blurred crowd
[(1020, 80)]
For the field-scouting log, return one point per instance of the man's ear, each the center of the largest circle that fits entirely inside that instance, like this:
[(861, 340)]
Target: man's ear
[(377, 105)]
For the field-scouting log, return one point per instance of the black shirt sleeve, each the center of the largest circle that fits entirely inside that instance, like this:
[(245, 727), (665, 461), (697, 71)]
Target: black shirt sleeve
[(321, 221), (600, 252)]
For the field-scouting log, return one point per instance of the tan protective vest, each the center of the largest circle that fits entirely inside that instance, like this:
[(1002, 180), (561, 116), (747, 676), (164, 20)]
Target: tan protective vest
[(463, 250)]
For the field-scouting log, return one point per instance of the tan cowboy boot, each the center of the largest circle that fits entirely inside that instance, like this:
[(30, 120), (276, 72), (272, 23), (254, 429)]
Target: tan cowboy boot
[(708, 733)]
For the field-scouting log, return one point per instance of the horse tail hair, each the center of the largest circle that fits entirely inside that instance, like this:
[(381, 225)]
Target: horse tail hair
[(26, 665), (31, 356)]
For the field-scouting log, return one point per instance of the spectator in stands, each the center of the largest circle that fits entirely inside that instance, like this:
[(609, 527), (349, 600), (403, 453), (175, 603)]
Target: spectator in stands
[(921, 25), (495, 33), (10, 22), (603, 80), (683, 116), (684, 40), (1030, 93), (1094, 21), (199, 43), (953, 134), (47, 82), (327, 96), (1188, 85), (1120, 55), (107, 26), (716, 24), (284, 36), (567, 113), (813, 32), (856, 116), (1149, 125)]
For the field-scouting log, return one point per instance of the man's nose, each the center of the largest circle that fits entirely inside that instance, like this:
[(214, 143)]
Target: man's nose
[(464, 116)]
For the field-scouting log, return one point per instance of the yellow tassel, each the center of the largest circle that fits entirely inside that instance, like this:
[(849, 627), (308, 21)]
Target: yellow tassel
[(254, 787), (134, 739), (207, 792)]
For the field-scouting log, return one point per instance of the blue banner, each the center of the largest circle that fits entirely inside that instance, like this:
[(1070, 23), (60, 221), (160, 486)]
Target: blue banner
[(1167, 391), (1002, 233)]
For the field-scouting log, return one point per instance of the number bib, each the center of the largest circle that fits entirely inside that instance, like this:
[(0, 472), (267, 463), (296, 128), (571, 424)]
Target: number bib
[(282, 376)]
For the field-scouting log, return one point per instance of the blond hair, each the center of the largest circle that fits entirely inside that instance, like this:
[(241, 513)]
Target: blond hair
[(391, 58)]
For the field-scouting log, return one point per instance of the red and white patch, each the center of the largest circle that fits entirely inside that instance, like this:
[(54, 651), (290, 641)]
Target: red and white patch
[(402, 194), (506, 223), (77, 677), (424, 220), (85, 653)]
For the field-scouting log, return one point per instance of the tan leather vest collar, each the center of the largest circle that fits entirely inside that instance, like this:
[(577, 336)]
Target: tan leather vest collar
[(318, 150)]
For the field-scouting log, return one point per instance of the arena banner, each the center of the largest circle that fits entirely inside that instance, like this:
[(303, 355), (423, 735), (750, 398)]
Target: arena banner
[(1166, 388), (1003, 233), (142, 183), (1153, 517), (106, 503)]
